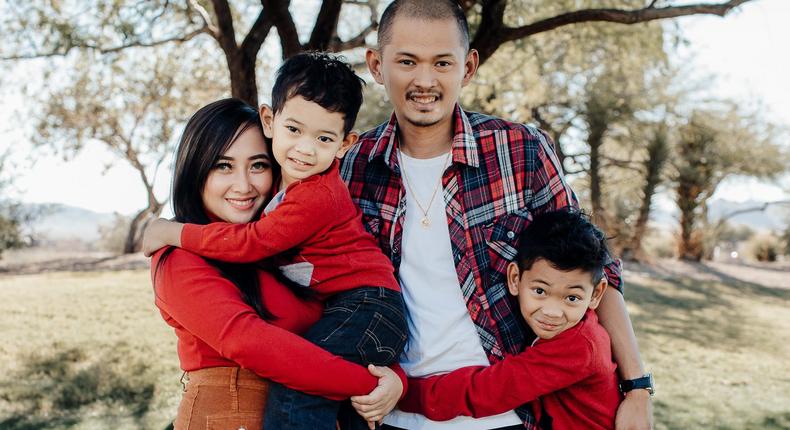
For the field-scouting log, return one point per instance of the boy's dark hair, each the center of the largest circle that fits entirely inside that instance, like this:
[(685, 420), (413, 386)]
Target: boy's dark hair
[(567, 240), (323, 79), (421, 9)]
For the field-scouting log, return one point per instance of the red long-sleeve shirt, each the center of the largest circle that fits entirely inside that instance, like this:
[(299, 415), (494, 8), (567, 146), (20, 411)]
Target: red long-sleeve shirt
[(317, 219), (215, 327), (572, 375)]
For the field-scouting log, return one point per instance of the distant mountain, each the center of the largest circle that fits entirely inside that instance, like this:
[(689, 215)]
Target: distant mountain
[(775, 217), (59, 222)]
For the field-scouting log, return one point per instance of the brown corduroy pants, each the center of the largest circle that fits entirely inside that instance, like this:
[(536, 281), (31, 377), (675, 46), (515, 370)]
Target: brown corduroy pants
[(222, 398)]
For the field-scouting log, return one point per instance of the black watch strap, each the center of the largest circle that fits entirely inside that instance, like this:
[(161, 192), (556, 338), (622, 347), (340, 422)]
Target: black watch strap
[(645, 382)]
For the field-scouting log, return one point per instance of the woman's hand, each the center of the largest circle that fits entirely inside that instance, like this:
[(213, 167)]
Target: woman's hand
[(374, 406), (160, 233)]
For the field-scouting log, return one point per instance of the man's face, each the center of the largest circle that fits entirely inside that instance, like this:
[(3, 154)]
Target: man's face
[(423, 68)]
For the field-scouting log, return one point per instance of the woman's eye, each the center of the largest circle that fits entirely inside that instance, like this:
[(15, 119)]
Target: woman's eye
[(259, 166), (222, 167)]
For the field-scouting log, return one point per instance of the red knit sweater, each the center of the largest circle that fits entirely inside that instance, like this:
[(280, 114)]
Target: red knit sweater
[(572, 375), (319, 221), (215, 327)]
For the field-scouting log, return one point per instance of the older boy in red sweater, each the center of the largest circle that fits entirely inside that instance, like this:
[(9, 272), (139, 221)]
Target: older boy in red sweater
[(567, 374)]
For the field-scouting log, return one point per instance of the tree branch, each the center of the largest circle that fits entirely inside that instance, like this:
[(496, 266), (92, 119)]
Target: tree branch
[(282, 19), (760, 208), (105, 50), (226, 34), (493, 33), (257, 35), (325, 28), (619, 16)]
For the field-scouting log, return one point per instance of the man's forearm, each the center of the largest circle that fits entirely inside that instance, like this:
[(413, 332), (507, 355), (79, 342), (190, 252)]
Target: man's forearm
[(613, 316)]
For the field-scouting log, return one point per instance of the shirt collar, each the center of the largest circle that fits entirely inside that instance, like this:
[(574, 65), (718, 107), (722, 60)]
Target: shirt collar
[(464, 146)]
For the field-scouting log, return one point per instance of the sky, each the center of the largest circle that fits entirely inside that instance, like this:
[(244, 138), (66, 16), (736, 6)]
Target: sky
[(742, 51)]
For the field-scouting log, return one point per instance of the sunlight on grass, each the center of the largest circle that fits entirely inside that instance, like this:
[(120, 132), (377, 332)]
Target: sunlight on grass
[(90, 351)]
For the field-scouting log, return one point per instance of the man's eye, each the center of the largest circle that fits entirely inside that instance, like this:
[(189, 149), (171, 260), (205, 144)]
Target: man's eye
[(406, 62), (443, 64)]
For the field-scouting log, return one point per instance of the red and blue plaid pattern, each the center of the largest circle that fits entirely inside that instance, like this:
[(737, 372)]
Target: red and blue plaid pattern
[(501, 174)]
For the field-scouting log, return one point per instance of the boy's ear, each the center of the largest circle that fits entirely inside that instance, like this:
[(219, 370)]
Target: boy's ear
[(348, 141), (373, 59), (513, 276), (267, 119), (598, 291)]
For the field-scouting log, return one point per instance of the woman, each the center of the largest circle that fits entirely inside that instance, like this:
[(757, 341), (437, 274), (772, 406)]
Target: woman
[(233, 321)]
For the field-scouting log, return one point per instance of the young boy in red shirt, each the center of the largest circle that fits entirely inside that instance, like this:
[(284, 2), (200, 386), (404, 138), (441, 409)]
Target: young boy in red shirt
[(567, 374), (314, 232)]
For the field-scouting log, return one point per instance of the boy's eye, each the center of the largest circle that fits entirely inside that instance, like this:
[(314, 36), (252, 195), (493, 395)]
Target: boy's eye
[(325, 139), (291, 128), (574, 298), (539, 291)]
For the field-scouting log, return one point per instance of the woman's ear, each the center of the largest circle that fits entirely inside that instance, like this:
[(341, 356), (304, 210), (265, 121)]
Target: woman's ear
[(267, 119)]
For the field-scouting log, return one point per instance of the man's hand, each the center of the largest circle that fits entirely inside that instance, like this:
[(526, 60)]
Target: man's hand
[(374, 406), (160, 233), (635, 412)]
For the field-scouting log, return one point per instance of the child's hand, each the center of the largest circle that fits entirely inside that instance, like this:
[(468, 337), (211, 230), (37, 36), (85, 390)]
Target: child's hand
[(374, 406), (160, 233)]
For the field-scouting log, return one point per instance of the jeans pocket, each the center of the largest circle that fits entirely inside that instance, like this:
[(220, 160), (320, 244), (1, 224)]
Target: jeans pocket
[(234, 421), (186, 408), (382, 342)]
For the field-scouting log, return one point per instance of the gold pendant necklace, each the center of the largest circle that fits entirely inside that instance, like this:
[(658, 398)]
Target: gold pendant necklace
[(425, 221)]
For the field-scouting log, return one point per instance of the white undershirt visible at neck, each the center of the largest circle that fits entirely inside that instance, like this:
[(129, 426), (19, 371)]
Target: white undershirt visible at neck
[(442, 336)]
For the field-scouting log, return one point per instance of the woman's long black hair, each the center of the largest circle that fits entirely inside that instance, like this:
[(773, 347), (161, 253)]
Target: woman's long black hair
[(207, 135)]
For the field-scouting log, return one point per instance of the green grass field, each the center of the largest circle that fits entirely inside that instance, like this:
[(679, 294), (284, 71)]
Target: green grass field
[(89, 350)]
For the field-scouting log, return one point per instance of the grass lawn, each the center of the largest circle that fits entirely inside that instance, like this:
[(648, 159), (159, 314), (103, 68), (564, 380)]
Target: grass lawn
[(89, 350)]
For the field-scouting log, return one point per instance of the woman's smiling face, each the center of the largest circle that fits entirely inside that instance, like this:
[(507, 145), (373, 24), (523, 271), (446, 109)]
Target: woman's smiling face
[(240, 180)]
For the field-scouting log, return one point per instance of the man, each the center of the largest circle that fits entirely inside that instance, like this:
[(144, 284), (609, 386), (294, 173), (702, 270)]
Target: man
[(447, 193)]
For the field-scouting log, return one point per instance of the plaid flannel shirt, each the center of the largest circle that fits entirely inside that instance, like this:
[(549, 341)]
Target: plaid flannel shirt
[(501, 175)]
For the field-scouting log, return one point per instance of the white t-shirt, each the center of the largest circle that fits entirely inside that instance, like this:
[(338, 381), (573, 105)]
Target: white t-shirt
[(442, 336)]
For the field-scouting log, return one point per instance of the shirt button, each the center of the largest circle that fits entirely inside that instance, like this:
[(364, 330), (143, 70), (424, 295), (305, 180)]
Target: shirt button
[(511, 235)]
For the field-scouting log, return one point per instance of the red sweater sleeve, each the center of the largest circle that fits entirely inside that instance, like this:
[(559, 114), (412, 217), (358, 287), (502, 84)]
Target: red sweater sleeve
[(484, 391), (305, 212), (211, 308)]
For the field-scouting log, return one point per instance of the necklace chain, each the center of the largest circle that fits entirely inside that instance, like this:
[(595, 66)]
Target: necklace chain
[(425, 221)]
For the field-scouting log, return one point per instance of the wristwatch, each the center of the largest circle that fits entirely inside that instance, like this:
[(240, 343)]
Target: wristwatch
[(644, 382)]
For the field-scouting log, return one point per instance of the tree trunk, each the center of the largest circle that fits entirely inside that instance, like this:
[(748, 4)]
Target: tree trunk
[(242, 77), (658, 152), (595, 140), (134, 236), (690, 246)]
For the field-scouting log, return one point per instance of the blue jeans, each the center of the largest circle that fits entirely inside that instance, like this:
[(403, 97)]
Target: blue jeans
[(365, 325)]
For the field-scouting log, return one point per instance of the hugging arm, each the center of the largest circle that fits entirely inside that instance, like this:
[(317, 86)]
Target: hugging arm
[(210, 307)]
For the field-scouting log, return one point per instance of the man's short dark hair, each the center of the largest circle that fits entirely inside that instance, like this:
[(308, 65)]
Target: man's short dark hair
[(321, 78), (567, 240), (426, 10)]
